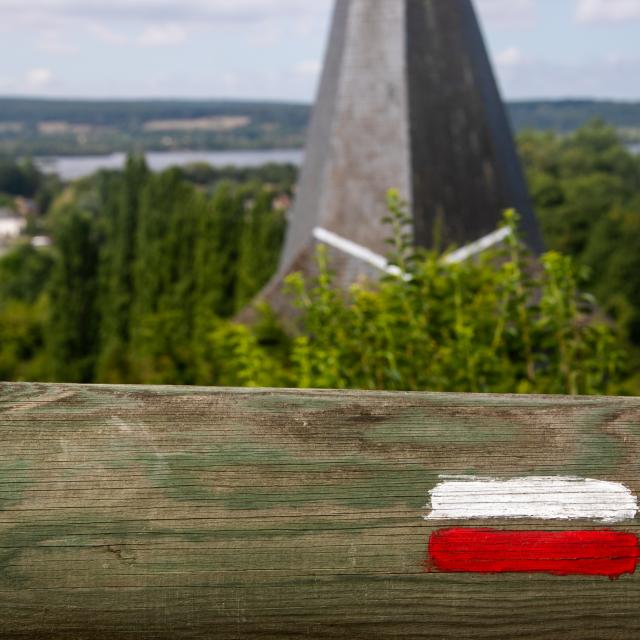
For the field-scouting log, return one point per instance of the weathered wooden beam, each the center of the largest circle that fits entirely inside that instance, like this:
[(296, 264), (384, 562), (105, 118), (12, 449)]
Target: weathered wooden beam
[(204, 513)]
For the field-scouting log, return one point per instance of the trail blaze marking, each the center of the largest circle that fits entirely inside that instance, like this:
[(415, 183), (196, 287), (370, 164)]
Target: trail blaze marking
[(562, 553), (541, 498)]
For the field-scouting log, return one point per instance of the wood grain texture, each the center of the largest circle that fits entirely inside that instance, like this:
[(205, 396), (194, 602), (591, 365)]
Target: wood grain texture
[(130, 512)]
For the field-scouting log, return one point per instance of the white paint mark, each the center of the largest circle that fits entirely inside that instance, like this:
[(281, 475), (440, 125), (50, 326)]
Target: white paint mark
[(359, 252), (543, 498)]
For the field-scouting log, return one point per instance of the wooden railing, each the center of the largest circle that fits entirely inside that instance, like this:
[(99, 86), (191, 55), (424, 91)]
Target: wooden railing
[(137, 512)]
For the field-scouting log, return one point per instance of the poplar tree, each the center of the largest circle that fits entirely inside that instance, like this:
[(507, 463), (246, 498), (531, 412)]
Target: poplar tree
[(121, 208), (72, 331)]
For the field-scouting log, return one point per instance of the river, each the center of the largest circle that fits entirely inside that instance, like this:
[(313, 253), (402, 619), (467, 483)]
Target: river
[(74, 167)]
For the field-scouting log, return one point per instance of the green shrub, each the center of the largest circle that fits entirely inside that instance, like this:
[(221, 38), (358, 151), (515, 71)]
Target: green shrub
[(497, 323)]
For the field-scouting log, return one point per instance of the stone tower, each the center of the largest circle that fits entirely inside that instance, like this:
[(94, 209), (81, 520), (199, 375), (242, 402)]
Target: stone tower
[(407, 100)]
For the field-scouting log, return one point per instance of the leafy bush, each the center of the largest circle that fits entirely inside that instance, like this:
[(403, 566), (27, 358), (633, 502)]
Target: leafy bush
[(145, 269), (586, 189), (497, 323)]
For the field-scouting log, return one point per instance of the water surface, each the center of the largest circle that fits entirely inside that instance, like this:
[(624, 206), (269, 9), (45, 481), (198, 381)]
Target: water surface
[(74, 167)]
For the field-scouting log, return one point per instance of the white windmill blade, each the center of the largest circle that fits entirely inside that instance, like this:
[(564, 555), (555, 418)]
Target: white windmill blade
[(363, 254)]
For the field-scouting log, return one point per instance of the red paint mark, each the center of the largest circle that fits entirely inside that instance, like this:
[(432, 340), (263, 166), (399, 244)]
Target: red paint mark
[(561, 553)]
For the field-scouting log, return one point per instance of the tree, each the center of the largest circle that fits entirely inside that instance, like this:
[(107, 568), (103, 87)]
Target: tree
[(72, 331), (263, 228), (586, 188), (120, 196), (24, 272), (480, 326)]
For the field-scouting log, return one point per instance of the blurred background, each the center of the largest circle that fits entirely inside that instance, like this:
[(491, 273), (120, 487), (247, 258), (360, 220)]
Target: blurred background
[(149, 155)]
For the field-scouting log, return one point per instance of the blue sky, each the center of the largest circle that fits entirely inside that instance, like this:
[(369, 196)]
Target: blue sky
[(273, 48)]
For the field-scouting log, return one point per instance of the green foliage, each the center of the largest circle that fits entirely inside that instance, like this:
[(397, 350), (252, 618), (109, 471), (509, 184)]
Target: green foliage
[(23, 355), (255, 267), (121, 202), (19, 178), (586, 189), (72, 332), (147, 270), (241, 359), (495, 324), (142, 270), (23, 274), (281, 177), (565, 116), (614, 256)]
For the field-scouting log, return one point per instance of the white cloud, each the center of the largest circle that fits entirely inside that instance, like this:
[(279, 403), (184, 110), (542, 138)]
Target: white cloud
[(308, 68), (260, 23), (163, 10), (162, 35), (232, 83), (595, 11), (53, 42), (253, 24), (508, 13), (603, 77), (265, 34), (511, 57), (106, 35), (37, 79)]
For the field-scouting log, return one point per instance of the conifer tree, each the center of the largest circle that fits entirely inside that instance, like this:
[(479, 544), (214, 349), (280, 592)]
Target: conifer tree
[(260, 242), (73, 322), (121, 198)]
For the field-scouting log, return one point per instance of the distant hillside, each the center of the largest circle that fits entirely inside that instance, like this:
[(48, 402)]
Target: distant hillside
[(58, 127), (567, 115), (131, 115)]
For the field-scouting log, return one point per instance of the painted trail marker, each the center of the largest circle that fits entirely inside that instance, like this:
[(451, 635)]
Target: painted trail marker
[(562, 553), (542, 498)]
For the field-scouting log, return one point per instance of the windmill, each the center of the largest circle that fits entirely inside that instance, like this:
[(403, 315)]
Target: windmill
[(408, 100)]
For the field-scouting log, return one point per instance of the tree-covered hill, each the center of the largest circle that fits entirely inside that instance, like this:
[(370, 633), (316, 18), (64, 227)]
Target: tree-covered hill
[(568, 115), (57, 127), (131, 115)]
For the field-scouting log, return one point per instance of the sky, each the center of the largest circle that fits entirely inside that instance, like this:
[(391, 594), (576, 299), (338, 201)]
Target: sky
[(273, 49)]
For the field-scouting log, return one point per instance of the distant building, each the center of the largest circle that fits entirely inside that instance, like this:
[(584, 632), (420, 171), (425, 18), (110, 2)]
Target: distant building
[(40, 242), (25, 206), (282, 202), (11, 226)]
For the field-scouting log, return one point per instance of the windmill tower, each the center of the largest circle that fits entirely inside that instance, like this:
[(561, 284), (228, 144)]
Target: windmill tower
[(407, 100)]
